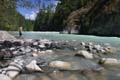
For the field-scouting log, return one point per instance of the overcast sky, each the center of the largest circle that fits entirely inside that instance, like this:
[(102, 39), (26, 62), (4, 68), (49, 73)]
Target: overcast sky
[(32, 13)]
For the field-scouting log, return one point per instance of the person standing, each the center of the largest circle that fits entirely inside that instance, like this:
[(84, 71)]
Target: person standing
[(20, 31)]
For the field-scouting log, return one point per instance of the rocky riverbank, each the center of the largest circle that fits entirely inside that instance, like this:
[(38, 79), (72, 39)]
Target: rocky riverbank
[(55, 60), (4, 35)]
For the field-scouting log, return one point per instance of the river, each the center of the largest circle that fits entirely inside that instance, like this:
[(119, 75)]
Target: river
[(57, 36)]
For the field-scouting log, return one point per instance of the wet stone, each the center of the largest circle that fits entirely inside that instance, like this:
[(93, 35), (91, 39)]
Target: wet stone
[(17, 43), (60, 65), (4, 77), (33, 67), (5, 55), (12, 48), (55, 58), (84, 54), (7, 43)]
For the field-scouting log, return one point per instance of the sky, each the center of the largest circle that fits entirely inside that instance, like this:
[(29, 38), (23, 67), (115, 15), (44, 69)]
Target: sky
[(32, 13)]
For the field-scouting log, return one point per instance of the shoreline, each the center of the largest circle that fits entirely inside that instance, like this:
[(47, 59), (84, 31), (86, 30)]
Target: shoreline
[(59, 32)]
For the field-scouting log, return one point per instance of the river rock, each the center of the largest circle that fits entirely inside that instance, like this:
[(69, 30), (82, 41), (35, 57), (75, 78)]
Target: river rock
[(1, 55), (14, 71), (28, 50), (33, 67), (45, 53), (35, 44), (49, 51), (15, 52), (4, 77), (89, 48), (7, 43), (90, 43), (48, 45), (41, 52), (5, 55), (34, 49), (17, 43), (34, 54), (42, 46), (98, 47), (60, 65), (85, 54), (109, 61), (27, 43), (12, 48), (22, 49), (109, 50), (14, 68), (82, 43)]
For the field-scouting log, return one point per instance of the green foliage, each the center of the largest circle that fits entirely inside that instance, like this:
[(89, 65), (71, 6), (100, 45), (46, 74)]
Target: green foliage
[(10, 19), (63, 10), (101, 18), (98, 17), (42, 22)]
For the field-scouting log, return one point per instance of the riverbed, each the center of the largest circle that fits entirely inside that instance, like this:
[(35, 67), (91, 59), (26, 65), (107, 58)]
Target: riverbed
[(82, 69)]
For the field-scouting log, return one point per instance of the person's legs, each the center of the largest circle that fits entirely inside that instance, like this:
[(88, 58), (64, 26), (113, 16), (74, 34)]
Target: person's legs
[(20, 33)]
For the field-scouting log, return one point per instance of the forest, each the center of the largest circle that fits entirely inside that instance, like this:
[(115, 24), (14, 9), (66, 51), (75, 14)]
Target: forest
[(91, 17), (11, 19)]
